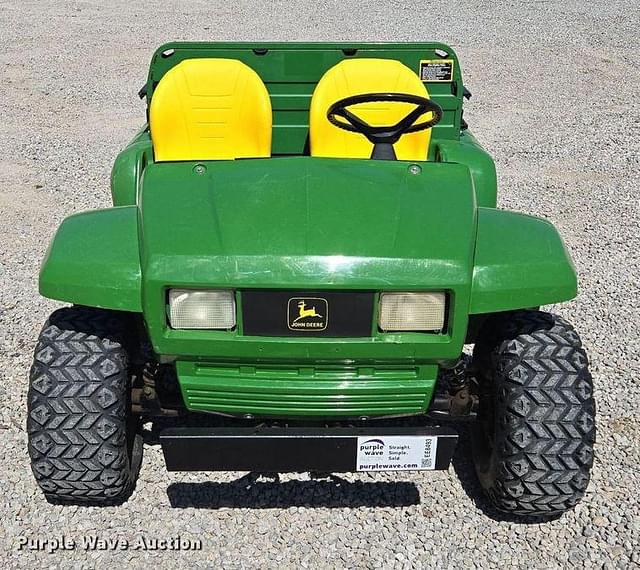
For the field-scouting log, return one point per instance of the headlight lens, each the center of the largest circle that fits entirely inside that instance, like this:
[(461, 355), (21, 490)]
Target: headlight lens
[(189, 309), (412, 311)]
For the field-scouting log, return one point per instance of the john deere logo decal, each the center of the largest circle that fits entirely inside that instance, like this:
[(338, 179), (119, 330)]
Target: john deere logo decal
[(307, 313)]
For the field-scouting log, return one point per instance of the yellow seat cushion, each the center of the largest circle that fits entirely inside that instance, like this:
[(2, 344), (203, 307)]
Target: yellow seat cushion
[(356, 77), (210, 109)]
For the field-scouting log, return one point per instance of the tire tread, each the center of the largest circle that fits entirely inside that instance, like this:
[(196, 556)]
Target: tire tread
[(544, 412), (77, 420)]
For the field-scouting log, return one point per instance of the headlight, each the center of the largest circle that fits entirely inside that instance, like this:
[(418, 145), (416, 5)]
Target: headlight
[(412, 311), (190, 309)]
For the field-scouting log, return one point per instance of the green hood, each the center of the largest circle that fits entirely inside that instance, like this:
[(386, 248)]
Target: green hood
[(307, 223)]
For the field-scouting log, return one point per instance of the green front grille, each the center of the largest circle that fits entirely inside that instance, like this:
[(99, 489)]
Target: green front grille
[(293, 390)]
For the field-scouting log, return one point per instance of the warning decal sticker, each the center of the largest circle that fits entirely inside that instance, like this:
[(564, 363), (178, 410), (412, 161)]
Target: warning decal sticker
[(434, 70)]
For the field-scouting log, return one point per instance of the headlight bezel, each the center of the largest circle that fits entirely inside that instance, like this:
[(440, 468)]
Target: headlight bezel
[(434, 323)]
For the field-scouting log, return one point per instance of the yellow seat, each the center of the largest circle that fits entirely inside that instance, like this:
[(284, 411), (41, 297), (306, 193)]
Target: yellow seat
[(210, 109), (356, 77)]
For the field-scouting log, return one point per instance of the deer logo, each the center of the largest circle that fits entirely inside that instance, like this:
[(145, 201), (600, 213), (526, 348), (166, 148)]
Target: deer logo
[(307, 313), (304, 312)]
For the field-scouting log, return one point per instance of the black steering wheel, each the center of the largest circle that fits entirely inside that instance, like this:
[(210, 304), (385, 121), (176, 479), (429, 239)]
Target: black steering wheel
[(383, 138)]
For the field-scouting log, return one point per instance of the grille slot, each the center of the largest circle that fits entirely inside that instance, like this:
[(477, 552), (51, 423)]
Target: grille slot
[(278, 390)]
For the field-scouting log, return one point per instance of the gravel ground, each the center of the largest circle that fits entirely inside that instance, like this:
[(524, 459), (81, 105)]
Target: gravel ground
[(555, 101)]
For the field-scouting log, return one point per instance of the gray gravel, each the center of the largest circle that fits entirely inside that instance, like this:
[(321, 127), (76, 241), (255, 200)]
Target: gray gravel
[(555, 100)]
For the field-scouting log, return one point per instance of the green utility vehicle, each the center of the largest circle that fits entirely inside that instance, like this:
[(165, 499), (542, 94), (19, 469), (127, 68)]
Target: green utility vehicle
[(303, 239)]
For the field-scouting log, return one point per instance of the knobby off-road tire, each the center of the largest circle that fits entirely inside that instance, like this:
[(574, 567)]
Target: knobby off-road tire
[(534, 449), (84, 443)]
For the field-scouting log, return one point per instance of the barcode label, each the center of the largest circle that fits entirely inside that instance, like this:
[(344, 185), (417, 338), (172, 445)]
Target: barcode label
[(429, 453)]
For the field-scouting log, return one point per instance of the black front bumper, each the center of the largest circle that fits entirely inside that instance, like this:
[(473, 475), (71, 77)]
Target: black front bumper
[(289, 449)]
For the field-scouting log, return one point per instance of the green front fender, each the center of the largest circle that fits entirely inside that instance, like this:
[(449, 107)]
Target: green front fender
[(94, 260), (520, 262)]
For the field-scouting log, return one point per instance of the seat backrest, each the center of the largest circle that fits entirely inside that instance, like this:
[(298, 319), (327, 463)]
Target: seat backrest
[(355, 77), (210, 109)]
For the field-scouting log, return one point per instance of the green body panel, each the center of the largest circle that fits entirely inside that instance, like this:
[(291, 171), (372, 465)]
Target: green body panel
[(520, 262), (128, 168), (295, 390), (308, 224), (468, 151), (94, 260)]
